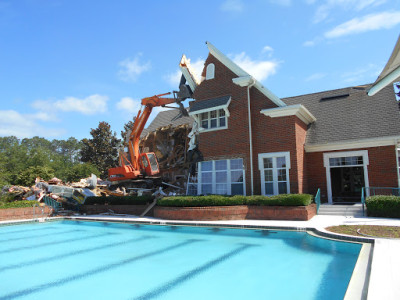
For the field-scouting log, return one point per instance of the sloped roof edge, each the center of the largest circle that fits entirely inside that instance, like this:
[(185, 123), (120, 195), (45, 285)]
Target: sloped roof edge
[(240, 72), (390, 72)]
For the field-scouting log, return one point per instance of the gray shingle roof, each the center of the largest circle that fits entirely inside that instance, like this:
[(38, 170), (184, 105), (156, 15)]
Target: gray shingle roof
[(164, 118), (205, 104), (357, 116)]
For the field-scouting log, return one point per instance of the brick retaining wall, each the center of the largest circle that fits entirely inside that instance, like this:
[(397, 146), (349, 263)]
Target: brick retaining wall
[(23, 213), (237, 212), (118, 209)]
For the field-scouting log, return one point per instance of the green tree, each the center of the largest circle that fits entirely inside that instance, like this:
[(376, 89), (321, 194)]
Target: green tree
[(127, 132), (80, 171), (102, 149), (27, 177)]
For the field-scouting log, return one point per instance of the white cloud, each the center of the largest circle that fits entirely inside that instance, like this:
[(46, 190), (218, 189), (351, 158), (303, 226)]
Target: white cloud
[(324, 10), (261, 69), (384, 20), (232, 5), (281, 2), (362, 75), (267, 49), (132, 68), (316, 76), (174, 78), (129, 105), (90, 105), (24, 126), (309, 43)]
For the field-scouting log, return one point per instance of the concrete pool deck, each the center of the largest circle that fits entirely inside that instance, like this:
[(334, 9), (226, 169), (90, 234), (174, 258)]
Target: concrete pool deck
[(385, 266)]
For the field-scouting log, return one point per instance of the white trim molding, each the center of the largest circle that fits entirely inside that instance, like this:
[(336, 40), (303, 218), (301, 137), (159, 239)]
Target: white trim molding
[(224, 107), (354, 144), (241, 73), (298, 110), (327, 156)]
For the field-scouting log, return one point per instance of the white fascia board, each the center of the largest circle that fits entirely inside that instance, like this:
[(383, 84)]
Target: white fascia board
[(224, 107), (354, 144), (242, 73), (189, 73), (243, 81), (392, 76), (298, 110)]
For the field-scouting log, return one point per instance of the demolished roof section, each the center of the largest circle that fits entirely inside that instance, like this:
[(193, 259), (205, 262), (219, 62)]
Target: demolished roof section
[(189, 73)]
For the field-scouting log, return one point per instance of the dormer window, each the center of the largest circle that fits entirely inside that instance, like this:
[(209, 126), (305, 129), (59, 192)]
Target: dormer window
[(210, 71), (213, 119), (211, 114)]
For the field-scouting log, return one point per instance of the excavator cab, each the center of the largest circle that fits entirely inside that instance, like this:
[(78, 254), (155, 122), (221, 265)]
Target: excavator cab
[(149, 164)]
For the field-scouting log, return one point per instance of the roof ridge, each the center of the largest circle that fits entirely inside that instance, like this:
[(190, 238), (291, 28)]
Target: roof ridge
[(326, 91)]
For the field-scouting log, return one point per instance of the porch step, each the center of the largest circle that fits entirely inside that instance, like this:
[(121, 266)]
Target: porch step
[(354, 210)]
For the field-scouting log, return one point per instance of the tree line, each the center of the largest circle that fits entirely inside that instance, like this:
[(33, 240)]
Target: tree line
[(22, 160)]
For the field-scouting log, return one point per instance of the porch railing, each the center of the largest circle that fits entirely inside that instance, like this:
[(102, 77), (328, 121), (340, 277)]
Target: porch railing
[(318, 199)]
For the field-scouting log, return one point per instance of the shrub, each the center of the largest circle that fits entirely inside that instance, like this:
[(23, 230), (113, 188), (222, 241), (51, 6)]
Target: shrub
[(17, 204), (219, 200), (117, 200), (383, 206), (209, 200)]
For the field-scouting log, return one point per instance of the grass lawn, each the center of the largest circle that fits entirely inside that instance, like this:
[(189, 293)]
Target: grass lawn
[(373, 230)]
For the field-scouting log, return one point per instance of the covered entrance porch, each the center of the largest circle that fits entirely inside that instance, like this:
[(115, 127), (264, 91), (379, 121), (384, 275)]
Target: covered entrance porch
[(346, 174)]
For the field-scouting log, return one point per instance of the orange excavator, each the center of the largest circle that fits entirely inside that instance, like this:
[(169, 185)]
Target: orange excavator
[(140, 169)]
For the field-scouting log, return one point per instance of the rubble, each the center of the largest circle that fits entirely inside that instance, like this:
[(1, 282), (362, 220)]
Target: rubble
[(170, 144)]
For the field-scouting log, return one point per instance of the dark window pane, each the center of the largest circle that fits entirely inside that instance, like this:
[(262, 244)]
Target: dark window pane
[(268, 175), (204, 124), (222, 122), (206, 189), (237, 189), (221, 189), (268, 163), (213, 114), (213, 123), (237, 176), (221, 165), (206, 166), (237, 164), (281, 162), (221, 112), (282, 187), (206, 177), (282, 175), (269, 188), (221, 177)]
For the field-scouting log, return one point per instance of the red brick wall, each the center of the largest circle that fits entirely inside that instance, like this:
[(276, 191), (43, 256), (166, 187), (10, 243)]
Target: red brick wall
[(382, 169), (269, 134), (23, 213), (238, 212)]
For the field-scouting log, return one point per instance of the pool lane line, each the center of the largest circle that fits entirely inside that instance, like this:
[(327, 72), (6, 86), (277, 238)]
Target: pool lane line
[(61, 256), (27, 230), (80, 276), (51, 243), (191, 274), (40, 235)]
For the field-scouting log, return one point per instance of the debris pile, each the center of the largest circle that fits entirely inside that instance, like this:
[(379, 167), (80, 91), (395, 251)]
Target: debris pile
[(69, 195), (170, 144)]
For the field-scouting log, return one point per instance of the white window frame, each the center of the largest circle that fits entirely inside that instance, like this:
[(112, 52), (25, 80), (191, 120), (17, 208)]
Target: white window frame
[(274, 155), (327, 156), (210, 71), (198, 119), (214, 181)]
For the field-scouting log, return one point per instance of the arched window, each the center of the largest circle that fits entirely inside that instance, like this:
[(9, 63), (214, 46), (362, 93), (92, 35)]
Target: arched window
[(210, 71)]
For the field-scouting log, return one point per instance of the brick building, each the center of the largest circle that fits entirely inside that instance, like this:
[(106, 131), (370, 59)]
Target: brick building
[(253, 142)]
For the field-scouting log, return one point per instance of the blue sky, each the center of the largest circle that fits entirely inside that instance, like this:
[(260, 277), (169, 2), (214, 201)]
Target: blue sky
[(66, 65)]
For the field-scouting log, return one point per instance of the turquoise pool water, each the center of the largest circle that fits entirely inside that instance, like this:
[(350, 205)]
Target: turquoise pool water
[(95, 260)]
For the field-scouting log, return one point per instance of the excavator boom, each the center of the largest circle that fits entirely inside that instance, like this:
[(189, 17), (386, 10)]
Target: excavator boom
[(136, 165)]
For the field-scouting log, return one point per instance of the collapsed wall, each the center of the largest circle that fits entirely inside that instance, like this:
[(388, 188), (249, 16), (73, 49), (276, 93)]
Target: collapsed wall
[(170, 144)]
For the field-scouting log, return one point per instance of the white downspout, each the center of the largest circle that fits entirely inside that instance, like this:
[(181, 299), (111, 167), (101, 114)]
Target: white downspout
[(250, 136)]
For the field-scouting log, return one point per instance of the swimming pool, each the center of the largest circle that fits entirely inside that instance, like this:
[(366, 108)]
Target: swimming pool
[(99, 260)]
